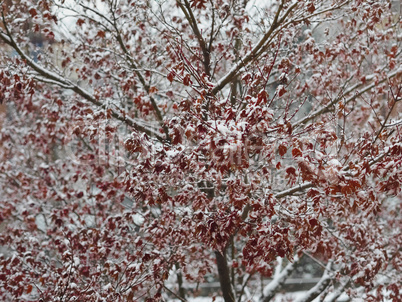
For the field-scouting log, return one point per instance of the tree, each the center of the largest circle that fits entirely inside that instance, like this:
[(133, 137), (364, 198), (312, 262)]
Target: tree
[(151, 146)]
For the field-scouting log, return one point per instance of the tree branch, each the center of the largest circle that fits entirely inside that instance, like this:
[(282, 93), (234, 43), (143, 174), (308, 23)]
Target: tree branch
[(182, 293), (264, 42), (276, 284), (174, 294), (134, 67), (334, 297), (256, 51), (186, 9), (319, 287), (293, 190), (327, 107), (67, 84)]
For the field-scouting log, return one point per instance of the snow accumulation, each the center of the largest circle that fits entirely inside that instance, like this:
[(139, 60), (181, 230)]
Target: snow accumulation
[(280, 297)]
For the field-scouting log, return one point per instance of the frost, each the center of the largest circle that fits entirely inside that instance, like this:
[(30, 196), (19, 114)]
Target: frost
[(319, 155), (334, 163), (172, 153), (224, 129), (108, 287), (138, 219), (44, 166), (362, 194), (310, 42), (41, 222), (73, 285), (134, 266)]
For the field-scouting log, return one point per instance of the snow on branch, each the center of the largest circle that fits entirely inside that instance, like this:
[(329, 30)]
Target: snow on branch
[(396, 123), (319, 287), (294, 190), (279, 280), (327, 107)]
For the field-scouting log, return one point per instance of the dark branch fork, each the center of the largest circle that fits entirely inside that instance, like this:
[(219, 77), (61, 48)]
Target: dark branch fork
[(206, 49), (279, 22)]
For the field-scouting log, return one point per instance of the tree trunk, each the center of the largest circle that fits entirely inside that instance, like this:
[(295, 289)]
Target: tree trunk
[(224, 277)]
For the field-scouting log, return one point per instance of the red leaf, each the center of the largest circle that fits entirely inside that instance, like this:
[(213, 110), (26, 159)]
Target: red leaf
[(187, 81), (310, 8), (296, 152), (33, 12), (200, 4), (153, 89), (15, 262), (281, 90), (146, 257), (262, 96), (177, 137), (80, 22), (101, 34), (85, 271), (29, 288), (170, 76), (50, 35), (282, 149), (130, 296), (291, 171), (313, 222)]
